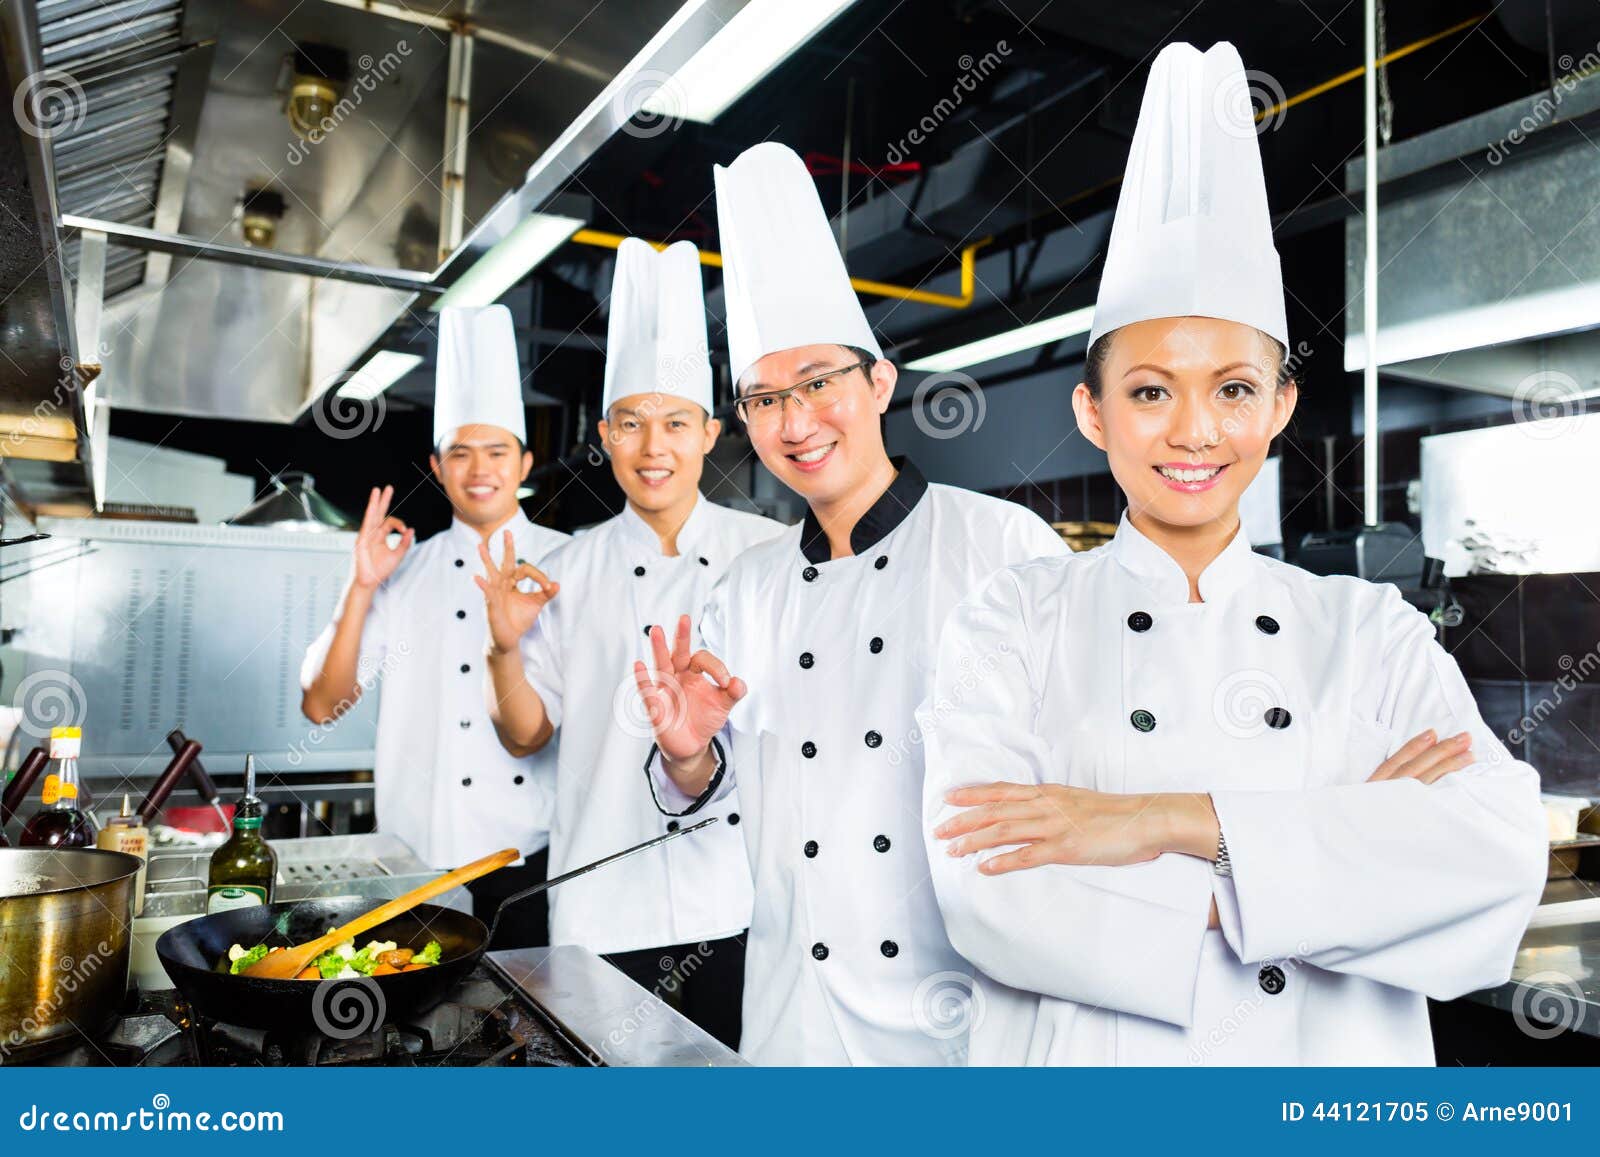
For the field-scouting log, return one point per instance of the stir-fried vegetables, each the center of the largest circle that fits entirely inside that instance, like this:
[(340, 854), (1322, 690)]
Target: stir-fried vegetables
[(343, 961)]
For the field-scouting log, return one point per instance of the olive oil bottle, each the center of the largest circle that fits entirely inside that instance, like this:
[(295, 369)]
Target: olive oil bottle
[(244, 870)]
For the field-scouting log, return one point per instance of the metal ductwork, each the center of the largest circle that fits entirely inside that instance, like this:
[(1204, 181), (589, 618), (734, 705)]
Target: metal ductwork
[(1471, 292)]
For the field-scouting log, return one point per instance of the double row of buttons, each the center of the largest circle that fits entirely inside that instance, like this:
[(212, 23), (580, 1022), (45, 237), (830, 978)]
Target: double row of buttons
[(1276, 718)]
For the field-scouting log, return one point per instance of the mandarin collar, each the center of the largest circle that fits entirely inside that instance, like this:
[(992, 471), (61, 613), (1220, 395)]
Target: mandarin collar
[(468, 539), (690, 535), (1160, 572), (881, 518)]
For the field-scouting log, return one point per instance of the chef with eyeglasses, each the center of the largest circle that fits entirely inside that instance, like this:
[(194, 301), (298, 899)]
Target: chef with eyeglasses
[(672, 918), (1207, 808), (814, 651)]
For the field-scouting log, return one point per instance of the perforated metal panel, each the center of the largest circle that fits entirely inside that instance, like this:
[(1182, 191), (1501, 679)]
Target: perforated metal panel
[(138, 628)]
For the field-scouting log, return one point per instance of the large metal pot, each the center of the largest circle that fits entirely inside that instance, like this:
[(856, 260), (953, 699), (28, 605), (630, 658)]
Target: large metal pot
[(66, 920)]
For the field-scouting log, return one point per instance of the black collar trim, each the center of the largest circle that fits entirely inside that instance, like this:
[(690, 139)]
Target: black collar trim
[(891, 509)]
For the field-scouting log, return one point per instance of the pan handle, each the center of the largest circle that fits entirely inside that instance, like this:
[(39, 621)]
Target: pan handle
[(517, 897)]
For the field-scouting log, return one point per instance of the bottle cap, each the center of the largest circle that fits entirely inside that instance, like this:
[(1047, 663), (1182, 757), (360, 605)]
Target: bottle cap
[(65, 742)]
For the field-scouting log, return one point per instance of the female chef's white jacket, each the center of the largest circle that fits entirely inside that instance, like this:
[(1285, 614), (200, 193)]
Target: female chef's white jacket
[(1279, 695)]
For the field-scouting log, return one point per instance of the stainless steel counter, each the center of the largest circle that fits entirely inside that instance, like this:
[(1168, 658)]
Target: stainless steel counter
[(618, 1021), (1555, 979)]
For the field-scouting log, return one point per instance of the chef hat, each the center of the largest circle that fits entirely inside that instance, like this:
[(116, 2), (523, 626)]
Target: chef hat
[(656, 335), (1192, 236), (478, 382), (783, 278)]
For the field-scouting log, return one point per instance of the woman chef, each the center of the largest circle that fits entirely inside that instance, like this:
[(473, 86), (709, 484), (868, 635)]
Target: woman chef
[(1182, 728)]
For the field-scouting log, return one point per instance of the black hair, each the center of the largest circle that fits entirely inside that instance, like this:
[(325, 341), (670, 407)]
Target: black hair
[(864, 355), (522, 447), (1094, 363)]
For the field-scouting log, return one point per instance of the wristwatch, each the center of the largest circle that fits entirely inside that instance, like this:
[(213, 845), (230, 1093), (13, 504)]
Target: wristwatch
[(1224, 866)]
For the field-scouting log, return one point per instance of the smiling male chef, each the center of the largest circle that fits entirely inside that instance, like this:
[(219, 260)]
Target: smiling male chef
[(832, 628), (412, 617), (672, 918)]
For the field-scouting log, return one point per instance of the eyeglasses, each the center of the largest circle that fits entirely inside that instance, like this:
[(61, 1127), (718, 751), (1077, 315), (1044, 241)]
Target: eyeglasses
[(819, 393)]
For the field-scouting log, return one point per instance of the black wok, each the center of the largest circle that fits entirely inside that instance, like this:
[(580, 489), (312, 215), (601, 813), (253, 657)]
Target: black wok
[(190, 952)]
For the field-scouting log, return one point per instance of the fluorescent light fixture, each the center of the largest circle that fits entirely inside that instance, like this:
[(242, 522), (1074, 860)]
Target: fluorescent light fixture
[(509, 261), (758, 38), (1553, 311), (1013, 341), (383, 369)]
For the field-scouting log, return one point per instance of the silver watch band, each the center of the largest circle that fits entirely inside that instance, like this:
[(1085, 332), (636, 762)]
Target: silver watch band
[(1224, 866)]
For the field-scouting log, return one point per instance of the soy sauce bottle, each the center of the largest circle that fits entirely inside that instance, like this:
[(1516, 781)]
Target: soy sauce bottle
[(61, 822)]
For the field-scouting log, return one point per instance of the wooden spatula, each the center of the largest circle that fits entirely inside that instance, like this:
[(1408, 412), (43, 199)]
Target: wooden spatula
[(290, 962)]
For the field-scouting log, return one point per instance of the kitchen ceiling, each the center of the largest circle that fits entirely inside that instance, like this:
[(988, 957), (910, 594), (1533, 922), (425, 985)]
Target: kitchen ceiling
[(224, 340)]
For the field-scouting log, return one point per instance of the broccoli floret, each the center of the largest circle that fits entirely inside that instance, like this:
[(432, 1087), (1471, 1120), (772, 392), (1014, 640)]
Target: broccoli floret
[(363, 962), (250, 957), (330, 964), (430, 953)]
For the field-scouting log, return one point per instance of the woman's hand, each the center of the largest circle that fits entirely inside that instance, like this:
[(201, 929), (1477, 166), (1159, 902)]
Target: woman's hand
[(1055, 825), (1426, 758)]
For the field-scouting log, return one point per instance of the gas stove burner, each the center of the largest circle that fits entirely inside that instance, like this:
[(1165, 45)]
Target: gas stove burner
[(481, 1022)]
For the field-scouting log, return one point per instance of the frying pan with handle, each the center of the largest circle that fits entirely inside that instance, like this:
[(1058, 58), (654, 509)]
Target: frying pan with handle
[(190, 952)]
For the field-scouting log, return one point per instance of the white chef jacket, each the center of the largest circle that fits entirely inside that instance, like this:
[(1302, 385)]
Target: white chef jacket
[(615, 585), (444, 784), (846, 953), (1279, 694)]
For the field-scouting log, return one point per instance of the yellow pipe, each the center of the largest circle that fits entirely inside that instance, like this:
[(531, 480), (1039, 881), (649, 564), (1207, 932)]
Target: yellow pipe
[(1355, 73), (969, 271)]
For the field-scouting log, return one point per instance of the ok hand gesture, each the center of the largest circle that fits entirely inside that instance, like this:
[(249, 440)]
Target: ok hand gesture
[(375, 559), (511, 612), (689, 696)]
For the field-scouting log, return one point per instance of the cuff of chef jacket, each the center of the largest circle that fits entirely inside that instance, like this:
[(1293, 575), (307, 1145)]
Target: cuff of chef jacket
[(1265, 864), (669, 796)]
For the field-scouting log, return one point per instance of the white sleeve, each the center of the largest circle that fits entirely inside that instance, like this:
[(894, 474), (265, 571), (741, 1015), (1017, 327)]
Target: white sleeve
[(374, 643), (1425, 887), (541, 662), (1126, 938)]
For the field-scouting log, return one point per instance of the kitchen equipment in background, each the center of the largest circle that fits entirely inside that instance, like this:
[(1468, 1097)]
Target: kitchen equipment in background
[(1531, 481), (176, 769), (1084, 535), (1390, 552), (21, 783), (126, 832), (225, 661), (203, 783), (292, 503), (66, 920)]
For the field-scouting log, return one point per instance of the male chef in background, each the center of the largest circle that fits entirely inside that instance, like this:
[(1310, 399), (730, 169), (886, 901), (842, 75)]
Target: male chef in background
[(832, 628), (412, 618), (672, 918)]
